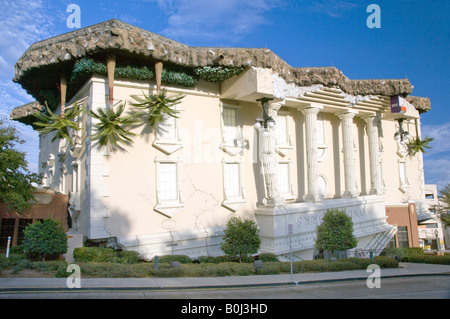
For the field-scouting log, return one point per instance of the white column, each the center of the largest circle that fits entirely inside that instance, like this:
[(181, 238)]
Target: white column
[(375, 174), (349, 158), (268, 161), (310, 114)]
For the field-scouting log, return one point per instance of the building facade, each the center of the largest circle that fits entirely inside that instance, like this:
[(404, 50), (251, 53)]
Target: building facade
[(172, 190)]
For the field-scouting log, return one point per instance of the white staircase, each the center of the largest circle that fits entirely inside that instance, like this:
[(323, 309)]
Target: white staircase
[(380, 240)]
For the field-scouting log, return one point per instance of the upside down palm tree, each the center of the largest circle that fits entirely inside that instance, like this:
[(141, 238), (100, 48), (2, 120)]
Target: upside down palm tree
[(156, 105), (111, 127), (418, 145), (61, 124)]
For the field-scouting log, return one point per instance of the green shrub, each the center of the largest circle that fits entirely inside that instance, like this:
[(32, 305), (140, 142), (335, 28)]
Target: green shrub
[(128, 257), (167, 259), (44, 240), (335, 232), (240, 238), (414, 251), (94, 254), (427, 259), (385, 262), (207, 259), (267, 257)]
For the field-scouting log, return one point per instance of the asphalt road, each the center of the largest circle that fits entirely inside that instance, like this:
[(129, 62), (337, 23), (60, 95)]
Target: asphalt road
[(427, 287)]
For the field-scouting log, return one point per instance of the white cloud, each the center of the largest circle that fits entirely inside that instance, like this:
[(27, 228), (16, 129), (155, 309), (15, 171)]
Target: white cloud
[(23, 22), (210, 20), (441, 135), (437, 171), (437, 159), (332, 8)]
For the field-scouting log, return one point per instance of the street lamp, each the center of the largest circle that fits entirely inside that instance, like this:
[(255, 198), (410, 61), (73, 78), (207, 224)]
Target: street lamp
[(401, 134), (266, 120)]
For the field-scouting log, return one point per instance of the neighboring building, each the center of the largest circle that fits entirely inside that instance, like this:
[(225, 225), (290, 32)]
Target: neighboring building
[(46, 204), (404, 217), (432, 233), (173, 190)]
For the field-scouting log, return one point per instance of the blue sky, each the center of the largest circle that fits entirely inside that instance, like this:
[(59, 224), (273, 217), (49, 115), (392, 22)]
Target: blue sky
[(413, 42)]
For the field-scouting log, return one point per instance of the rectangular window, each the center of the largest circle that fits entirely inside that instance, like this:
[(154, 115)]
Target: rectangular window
[(232, 180), (284, 183), (403, 179), (75, 177), (167, 128), (402, 237), (167, 182), (230, 125), (320, 130), (281, 133)]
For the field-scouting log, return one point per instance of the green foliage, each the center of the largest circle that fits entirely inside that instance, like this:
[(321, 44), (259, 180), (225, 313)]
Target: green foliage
[(112, 126), (268, 257), (102, 254), (61, 124), (418, 145), (427, 259), (94, 254), (241, 238), (44, 239), (335, 232), (85, 68), (167, 259), (157, 105), (445, 200), (16, 180), (172, 75), (218, 73), (178, 78)]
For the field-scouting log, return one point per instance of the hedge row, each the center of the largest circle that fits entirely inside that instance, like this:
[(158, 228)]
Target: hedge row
[(140, 270), (183, 259), (97, 254), (427, 259)]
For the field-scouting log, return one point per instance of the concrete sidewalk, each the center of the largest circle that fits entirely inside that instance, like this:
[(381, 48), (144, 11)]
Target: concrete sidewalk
[(405, 270)]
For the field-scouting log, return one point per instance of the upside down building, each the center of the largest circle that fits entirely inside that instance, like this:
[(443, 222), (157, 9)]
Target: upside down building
[(254, 137)]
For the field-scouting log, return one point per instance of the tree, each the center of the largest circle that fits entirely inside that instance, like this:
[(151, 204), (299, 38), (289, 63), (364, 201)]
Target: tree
[(445, 202), (241, 238), (16, 189), (43, 240), (335, 232)]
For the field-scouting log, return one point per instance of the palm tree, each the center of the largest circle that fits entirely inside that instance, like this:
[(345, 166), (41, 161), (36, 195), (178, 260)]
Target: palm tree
[(156, 105), (418, 145), (60, 124), (111, 126)]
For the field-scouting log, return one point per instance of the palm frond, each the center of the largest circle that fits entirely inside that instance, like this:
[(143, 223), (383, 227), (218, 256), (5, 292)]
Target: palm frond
[(156, 105), (110, 130), (60, 124), (419, 145)]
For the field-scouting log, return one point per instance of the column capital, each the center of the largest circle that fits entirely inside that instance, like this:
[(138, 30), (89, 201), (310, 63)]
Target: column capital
[(371, 118), (310, 110), (347, 114)]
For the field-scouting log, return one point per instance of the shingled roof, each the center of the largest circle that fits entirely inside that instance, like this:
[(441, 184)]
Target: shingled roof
[(41, 63)]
